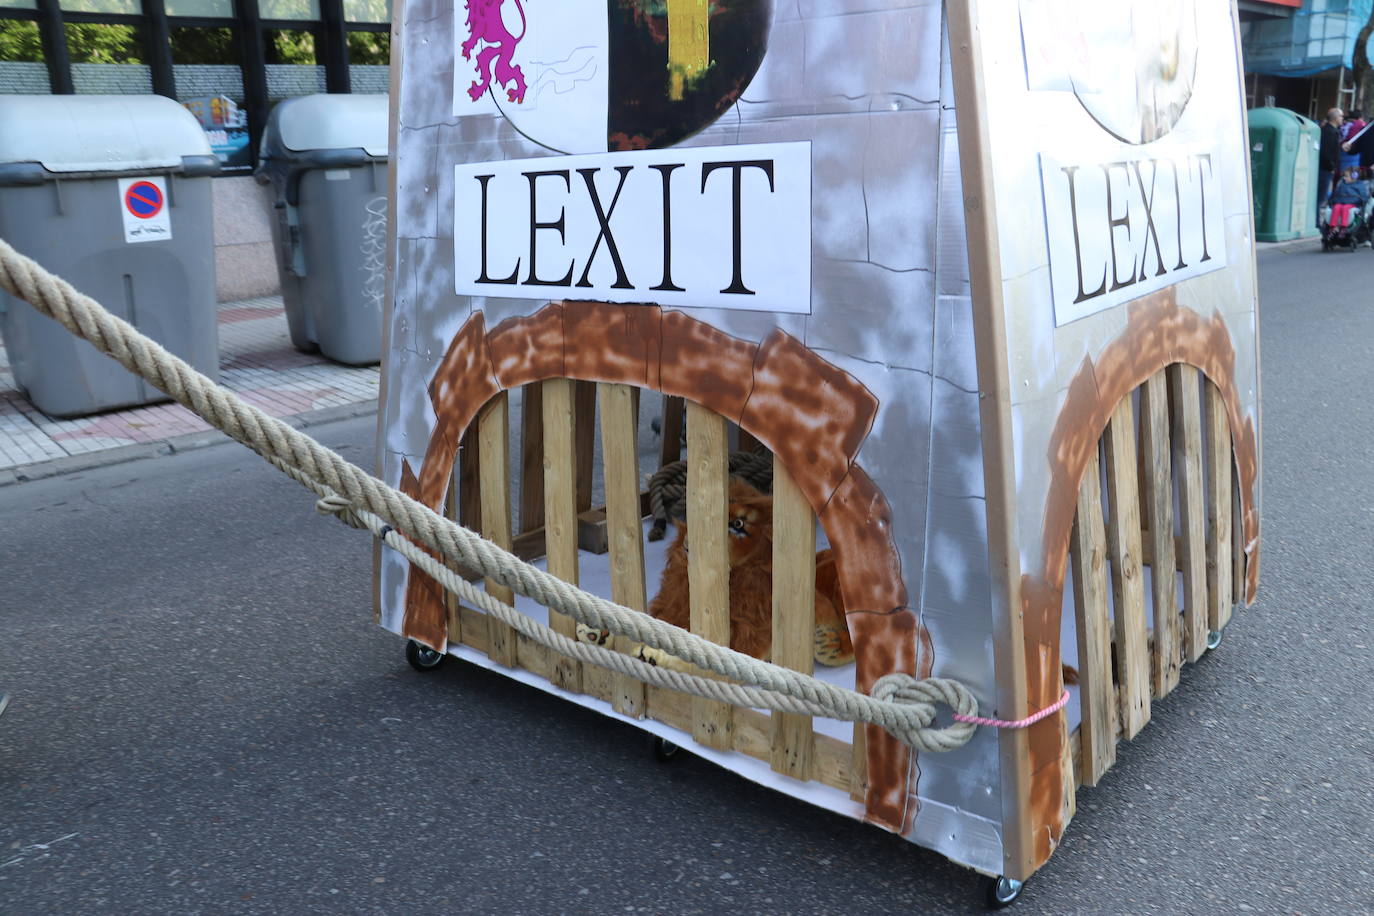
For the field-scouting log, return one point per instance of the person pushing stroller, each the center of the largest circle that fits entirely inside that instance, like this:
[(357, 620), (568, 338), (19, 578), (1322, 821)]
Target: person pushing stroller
[(1345, 218)]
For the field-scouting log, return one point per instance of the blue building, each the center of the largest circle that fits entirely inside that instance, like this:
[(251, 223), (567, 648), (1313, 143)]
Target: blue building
[(1299, 53)]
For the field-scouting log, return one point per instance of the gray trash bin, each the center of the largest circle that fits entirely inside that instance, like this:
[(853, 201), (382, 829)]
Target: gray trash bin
[(112, 193), (325, 156)]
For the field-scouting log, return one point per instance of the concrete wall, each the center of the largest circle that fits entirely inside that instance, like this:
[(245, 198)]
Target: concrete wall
[(245, 264)]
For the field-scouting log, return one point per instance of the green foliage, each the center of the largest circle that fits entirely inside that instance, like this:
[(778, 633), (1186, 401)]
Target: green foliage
[(369, 47), (99, 43), (191, 45), (20, 41), (290, 46)]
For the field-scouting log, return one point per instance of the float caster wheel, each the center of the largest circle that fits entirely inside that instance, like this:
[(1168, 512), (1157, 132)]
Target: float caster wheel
[(1003, 891), (422, 657), (1213, 639), (663, 749)]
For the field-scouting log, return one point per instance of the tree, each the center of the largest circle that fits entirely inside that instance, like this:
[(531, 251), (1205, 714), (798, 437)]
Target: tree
[(20, 41)]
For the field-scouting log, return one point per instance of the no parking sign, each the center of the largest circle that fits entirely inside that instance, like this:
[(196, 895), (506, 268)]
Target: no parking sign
[(143, 206)]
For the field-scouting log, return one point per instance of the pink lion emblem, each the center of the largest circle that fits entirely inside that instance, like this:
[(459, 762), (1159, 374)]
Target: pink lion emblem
[(494, 60)]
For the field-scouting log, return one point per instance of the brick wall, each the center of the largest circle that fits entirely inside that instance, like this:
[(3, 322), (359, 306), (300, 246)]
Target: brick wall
[(23, 77), (112, 79), (286, 81)]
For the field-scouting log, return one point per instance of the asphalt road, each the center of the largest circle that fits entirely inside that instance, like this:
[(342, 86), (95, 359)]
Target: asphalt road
[(206, 720)]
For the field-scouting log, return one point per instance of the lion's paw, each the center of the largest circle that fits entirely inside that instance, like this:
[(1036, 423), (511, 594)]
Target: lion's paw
[(829, 648), (593, 636), (650, 656)]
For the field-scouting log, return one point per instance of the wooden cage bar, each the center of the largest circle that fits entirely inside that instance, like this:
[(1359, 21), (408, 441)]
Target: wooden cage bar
[(1219, 558), (1158, 493), (624, 530), (794, 614), (493, 433), (560, 467), (1191, 526), (1088, 554), (1187, 428), (1128, 591), (567, 424), (708, 560)]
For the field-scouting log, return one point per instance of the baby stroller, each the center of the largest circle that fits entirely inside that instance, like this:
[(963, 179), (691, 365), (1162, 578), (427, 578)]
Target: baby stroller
[(1345, 222)]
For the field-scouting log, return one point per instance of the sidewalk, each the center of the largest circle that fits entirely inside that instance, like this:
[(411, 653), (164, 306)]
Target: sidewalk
[(257, 362)]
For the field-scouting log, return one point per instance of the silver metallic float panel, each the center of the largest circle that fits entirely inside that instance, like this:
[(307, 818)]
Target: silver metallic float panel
[(867, 85)]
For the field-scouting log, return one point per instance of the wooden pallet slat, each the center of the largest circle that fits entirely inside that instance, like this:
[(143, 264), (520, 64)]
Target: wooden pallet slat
[(624, 528), (493, 433), (560, 511), (455, 619), (1237, 545), (1128, 591), (1159, 510), (584, 439), (708, 560), (1186, 403), (794, 614), (1219, 558), (1088, 554), (532, 457)]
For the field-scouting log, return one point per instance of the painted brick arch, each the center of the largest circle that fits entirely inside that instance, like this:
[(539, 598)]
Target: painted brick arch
[(811, 414)]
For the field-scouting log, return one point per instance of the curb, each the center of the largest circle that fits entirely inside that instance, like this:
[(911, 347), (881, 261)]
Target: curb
[(1314, 241), (70, 464)]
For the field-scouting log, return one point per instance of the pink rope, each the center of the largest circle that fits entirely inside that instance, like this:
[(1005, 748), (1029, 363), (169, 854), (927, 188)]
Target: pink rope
[(1019, 723)]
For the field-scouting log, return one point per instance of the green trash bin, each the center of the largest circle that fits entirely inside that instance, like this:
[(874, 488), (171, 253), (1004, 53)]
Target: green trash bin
[(1283, 169)]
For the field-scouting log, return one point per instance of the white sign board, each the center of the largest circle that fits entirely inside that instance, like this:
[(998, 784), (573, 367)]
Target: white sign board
[(1120, 229), (143, 207), (708, 227)]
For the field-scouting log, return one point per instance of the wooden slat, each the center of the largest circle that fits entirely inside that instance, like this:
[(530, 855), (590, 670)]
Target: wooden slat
[(1185, 401), (1088, 555), (753, 736), (1237, 545), (1159, 512), (469, 481), (1218, 511), (708, 560), (623, 522), (455, 622), (794, 614), (560, 510), (1128, 590), (493, 434), (532, 457), (584, 440), (858, 763), (673, 416)]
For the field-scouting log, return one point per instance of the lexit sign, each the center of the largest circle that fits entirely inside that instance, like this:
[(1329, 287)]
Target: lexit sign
[(1122, 228), (711, 227)]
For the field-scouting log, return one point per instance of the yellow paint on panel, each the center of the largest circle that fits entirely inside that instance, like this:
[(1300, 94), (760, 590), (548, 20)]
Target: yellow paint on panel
[(689, 44)]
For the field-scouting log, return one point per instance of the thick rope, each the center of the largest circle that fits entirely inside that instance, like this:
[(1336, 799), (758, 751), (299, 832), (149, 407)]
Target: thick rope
[(903, 707), (668, 486)]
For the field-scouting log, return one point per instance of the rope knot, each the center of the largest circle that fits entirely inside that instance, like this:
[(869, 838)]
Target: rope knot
[(340, 506), (914, 707)]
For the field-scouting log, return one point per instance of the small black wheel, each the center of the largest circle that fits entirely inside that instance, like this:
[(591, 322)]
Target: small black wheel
[(664, 750), (422, 657), (1003, 891)]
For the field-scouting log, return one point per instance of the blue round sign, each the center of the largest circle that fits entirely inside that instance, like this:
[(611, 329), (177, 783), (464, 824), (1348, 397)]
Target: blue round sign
[(143, 199)]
